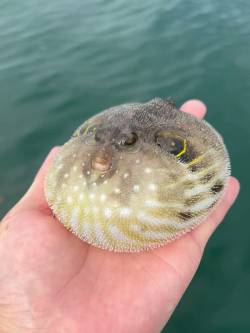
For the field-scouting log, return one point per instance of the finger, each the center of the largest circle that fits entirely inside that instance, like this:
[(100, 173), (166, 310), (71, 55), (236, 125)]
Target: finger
[(195, 107), (34, 198), (206, 229)]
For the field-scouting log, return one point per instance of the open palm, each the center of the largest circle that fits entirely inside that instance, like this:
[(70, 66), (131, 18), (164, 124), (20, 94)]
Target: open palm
[(50, 281)]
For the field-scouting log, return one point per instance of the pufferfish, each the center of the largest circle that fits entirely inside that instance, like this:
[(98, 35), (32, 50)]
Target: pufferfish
[(137, 176)]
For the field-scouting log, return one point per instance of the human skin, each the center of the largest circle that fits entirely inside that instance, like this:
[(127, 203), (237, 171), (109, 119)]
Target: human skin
[(51, 281)]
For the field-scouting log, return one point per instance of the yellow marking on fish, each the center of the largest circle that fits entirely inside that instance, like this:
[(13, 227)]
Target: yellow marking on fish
[(196, 160), (184, 149)]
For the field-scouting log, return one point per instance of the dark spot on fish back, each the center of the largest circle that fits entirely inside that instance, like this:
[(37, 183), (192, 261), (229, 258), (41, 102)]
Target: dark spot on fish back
[(185, 215), (205, 179), (192, 200), (194, 167), (188, 184), (217, 187)]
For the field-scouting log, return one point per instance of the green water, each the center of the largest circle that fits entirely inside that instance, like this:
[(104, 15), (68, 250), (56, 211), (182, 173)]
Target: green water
[(62, 61)]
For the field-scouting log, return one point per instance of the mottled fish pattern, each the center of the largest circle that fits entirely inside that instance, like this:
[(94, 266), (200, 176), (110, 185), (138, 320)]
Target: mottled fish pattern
[(137, 176)]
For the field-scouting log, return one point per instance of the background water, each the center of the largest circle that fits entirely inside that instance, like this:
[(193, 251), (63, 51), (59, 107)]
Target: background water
[(62, 61)]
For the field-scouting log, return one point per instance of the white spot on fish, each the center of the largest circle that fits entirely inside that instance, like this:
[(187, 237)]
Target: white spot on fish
[(75, 188), (125, 211), (69, 199), (66, 175), (107, 212), (125, 175), (152, 187), (117, 190), (136, 188), (103, 197), (92, 196), (147, 170)]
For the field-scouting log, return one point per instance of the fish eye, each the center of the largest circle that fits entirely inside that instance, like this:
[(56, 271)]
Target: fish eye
[(171, 143), (129, 140)]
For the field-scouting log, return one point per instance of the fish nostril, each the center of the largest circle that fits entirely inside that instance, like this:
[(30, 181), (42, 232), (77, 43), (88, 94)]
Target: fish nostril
[(102, 161), (100, 164)]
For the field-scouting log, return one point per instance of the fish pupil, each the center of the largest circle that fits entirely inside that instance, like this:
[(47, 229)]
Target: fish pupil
[(130, 139)]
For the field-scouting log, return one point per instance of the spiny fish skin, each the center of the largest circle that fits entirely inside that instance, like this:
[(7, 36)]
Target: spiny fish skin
[(137, 176)]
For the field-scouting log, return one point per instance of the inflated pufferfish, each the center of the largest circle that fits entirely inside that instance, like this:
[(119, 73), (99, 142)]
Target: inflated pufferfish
[(137, 176)]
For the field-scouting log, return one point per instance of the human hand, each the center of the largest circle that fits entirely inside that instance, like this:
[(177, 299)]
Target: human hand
[(51, 281)]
